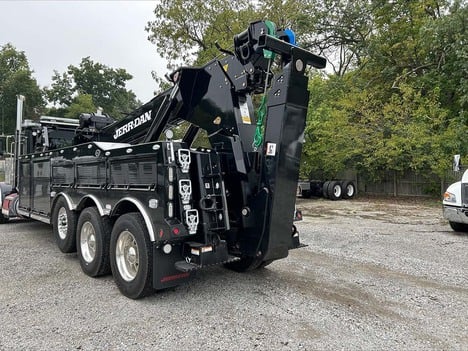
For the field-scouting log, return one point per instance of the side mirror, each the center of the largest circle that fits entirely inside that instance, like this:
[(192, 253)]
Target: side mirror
[(456, 163)]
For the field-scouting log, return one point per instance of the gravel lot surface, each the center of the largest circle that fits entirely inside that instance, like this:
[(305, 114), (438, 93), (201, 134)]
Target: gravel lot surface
[(377, 275)]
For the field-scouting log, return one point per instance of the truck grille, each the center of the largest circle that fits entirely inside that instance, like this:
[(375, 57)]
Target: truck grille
[(465, 194)]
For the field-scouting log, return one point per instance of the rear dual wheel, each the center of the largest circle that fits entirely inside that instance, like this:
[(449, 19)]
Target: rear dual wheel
[(332, 190), (131, 256), (93, 234), (335, 189), (349, 189)]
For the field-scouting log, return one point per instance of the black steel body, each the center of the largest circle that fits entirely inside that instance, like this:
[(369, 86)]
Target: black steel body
[(232, 202)]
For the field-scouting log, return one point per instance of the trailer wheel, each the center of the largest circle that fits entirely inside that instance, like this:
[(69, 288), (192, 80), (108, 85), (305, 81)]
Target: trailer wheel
[(92, 241), (325, 189), (64, 226), (334, 190), (459, 227), (349, 189), (131, 256)]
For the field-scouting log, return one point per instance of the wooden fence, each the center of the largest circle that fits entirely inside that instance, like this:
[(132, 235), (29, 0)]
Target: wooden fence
[(408, 184)]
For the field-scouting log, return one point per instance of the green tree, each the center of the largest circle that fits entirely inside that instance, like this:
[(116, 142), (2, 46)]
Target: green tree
[(403, 107), (106, 85), (446, 44), (396, 95), (16, 79), (185, 32), (81, 103), (338, 30)]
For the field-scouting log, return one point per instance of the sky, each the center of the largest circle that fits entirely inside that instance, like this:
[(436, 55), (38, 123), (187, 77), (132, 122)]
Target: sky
[(56, 34)]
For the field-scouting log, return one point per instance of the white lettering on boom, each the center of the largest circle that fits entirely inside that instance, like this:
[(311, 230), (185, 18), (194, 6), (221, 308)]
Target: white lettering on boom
[(138, 121)]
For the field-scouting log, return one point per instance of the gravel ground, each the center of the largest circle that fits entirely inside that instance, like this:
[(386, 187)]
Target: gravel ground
[(377, 274)]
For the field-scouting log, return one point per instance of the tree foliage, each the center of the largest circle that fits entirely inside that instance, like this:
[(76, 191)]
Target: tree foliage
[(16, 79), (106, 86), (185, 32), (395, 94), (404, 104), (337, 30), (81, 103)]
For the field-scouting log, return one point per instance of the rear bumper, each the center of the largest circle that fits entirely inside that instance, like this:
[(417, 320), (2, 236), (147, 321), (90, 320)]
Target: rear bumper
[(456, 214)]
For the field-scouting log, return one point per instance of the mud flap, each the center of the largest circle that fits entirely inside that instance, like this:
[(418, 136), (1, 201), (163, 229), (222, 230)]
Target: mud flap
[(165, 275)]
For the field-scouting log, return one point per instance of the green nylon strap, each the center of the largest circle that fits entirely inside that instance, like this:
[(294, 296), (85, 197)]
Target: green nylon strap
[(261, 113), (262, 109), (271, 31)]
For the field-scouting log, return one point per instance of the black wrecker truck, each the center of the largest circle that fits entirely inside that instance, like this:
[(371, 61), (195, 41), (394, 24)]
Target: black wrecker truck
[(132, 200)]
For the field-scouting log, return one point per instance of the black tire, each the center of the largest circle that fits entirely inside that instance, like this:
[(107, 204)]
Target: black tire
[(3, 219), (316, 188), (131, 256), (334, 190), (303, 193), (459, 227), (247, 264), (64, 226), (92, 242), (265, 263), (325, 189), (349, 189)]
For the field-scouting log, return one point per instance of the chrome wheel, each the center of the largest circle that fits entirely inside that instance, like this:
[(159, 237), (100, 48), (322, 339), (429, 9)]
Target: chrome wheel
[(62, 223), (88, 242), (126, 255), (350, 190), (337, 191)]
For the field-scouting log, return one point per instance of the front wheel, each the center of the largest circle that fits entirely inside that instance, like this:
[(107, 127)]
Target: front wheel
[(3, 219), (92, 241), (64, 226), (131, 256)]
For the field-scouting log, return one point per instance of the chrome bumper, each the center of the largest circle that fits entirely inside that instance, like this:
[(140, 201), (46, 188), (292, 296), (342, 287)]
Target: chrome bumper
[(456, 214)]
